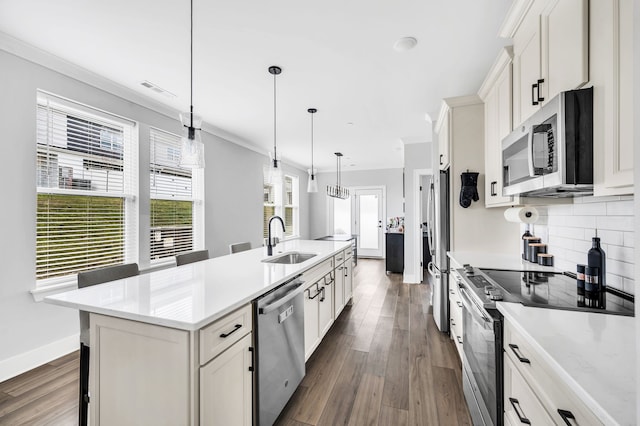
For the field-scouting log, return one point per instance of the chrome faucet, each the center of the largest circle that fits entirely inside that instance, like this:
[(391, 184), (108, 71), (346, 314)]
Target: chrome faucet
[(269, 245)]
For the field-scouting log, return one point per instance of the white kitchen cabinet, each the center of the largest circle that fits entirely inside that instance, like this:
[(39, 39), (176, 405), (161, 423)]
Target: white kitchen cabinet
[(338, 290), (550, 51), (443, 129), (455, 312), (348, 279), (542, 394), (181, 377), (318, 304), (611, 72), (496, 92), (226, 387)]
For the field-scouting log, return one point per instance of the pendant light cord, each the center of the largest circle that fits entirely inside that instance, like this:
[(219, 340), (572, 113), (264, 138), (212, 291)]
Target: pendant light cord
[(312, 145), (275, 154), (191, 63)]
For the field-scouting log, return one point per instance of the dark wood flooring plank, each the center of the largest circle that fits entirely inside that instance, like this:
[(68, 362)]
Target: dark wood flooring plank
[(444, 385), (380, 347), (24, 377), (390, 416), (422, 402), (35, 382), (366, 407), (338, 408), (401, 319), (441, 347), (418, 340), (39, 403), (291, 407), (396, 378)]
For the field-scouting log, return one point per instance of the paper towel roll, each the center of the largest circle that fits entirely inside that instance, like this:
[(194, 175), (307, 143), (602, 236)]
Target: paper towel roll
[(521, 214)]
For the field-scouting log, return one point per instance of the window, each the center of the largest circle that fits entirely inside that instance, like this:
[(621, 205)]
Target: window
[(176, 194), (86, 188), (282, 199)]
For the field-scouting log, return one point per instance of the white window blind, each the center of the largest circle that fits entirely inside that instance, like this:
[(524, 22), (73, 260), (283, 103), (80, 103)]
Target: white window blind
[(86, 186), (174, 198), (290, 204)]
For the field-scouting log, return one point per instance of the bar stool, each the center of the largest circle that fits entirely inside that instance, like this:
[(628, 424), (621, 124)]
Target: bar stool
[(192, 256)]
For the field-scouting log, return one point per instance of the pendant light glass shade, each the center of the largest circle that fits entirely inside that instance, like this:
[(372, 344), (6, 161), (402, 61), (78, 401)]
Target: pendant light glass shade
[(274, 174), (312, 183), (191, 146)]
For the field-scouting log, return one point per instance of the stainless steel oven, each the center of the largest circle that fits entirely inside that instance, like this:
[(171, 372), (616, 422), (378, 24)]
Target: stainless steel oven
[(482, 361)]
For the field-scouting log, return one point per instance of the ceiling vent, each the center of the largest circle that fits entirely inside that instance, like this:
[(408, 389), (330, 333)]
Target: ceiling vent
[(157, 89)]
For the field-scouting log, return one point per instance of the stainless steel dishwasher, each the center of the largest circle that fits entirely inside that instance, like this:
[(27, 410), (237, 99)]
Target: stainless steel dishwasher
[(279, 328)]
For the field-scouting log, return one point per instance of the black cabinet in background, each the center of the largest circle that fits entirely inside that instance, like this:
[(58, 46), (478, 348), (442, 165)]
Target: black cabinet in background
[(395, 252)]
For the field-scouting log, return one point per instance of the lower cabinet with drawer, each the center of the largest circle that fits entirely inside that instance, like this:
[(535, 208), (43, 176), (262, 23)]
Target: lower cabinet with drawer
[(533, 393), (455, 312), (318, 304)]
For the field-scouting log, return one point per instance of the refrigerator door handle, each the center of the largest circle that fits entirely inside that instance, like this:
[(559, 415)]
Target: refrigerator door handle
[(431, 205), (433, 271)]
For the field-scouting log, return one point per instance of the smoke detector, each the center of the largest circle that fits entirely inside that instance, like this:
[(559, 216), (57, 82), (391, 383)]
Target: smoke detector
[(404, 44)]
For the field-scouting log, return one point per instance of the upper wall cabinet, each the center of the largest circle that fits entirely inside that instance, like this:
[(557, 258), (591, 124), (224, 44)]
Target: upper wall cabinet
[(611, 73), (496, 93), (443, 129), (550, 51)]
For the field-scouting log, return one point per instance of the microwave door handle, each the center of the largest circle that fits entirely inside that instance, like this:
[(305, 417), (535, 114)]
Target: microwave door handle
[(530, 148)]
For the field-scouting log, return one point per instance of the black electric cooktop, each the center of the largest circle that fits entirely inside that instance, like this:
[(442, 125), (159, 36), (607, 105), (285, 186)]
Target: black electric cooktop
[(552, 290)]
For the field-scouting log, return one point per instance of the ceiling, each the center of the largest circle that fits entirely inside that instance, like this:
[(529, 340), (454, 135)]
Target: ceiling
[(336, 56)]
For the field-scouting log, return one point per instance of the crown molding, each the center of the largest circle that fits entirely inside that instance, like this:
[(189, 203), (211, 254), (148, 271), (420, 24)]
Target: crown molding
[(514, 17), (502, 61)]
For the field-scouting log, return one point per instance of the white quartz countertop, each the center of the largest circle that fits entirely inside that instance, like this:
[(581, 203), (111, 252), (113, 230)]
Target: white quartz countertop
[(496, 261), (191, 296), (593, 353)]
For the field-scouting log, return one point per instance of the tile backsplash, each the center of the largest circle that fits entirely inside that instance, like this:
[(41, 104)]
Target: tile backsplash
[(567, 229)]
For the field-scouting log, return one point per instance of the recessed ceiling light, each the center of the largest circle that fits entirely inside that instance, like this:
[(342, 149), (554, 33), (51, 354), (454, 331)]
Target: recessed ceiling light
[(350, 123), (404, 44)]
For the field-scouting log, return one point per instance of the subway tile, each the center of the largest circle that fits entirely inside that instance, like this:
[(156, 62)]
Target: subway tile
[(629, 286), (623, 254), (620, 268), (560, 209), (607, 237), (561, 242), (615, 281), (576, 256), (620, 208), (573, 233), (564, 265), (604, 199), (626, 197), (590, 209), (581, 221), (557, 220), (615, 223), (629, 239), (581, 246)]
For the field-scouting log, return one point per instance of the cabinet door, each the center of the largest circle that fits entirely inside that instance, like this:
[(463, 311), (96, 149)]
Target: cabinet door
[(338, 290), (526, 64), (225, 387), (311, 320), (348, 279), (444, 141), (520, 403), (325, 305), (565, 46)]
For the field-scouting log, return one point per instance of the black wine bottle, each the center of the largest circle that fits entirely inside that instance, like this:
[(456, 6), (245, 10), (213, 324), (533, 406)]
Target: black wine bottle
[(596, 258)]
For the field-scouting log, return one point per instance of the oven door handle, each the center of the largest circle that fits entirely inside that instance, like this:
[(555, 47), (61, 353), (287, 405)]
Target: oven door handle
[(472, 306)]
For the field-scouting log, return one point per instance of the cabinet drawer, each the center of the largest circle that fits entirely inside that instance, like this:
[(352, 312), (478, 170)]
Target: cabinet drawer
[(521, 406), (223, 333), (550, 389), (317, 272), (338, 258)]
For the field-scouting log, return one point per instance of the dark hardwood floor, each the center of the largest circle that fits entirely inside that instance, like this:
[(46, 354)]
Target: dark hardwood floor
[(382, 363)]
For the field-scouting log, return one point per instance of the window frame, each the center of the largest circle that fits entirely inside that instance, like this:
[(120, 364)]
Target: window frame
[(279, 205), (130, 167)]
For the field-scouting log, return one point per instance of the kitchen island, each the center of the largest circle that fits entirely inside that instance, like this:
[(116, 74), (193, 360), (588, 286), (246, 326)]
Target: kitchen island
[(175, 346)]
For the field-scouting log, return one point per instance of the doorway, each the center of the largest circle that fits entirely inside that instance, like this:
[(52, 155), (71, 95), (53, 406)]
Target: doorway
[(361, 214)]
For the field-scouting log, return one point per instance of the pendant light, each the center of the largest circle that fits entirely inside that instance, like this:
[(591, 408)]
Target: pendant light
[(338, 191), (312, 183), (275, 169), (191, 146)]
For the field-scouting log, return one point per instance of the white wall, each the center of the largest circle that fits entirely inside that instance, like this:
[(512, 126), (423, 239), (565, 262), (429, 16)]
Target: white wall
[(390, 178), (416, 156), (233, 209), (567, 229)]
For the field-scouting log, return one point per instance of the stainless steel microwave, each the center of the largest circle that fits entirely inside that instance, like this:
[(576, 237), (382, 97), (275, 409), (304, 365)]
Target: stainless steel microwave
[(551, 153)]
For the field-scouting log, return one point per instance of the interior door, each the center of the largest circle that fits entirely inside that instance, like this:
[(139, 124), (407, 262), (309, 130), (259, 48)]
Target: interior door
[(368, 221)]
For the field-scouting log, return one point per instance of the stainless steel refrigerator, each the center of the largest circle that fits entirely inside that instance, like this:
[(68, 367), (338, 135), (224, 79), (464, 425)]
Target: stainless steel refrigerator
[(439, 243)]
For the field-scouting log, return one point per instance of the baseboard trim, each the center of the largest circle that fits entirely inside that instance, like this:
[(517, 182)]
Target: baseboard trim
[(410, 279), (26, 361)]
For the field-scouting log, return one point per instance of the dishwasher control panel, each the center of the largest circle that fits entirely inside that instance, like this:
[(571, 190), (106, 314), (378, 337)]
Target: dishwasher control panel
[(285, 314)]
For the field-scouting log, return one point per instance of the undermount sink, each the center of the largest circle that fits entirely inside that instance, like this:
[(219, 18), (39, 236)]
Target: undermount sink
[(290, 258)]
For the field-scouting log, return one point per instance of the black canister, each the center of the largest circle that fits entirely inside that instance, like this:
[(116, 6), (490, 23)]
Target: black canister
[(525, 245), (545, 259), (580, 283), (591, 287), (534, 249)]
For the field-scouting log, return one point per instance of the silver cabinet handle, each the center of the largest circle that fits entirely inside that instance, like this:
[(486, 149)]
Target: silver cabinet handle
[(459, 339)]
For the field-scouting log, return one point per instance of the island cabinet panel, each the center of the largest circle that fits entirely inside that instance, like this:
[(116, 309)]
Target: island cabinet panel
[(318, 304), (223, 333), (140, 371), (225, 387)]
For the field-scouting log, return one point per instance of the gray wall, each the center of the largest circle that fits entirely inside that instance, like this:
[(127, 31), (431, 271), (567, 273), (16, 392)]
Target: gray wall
[(233, 194), (389, 178), (416, 156)]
